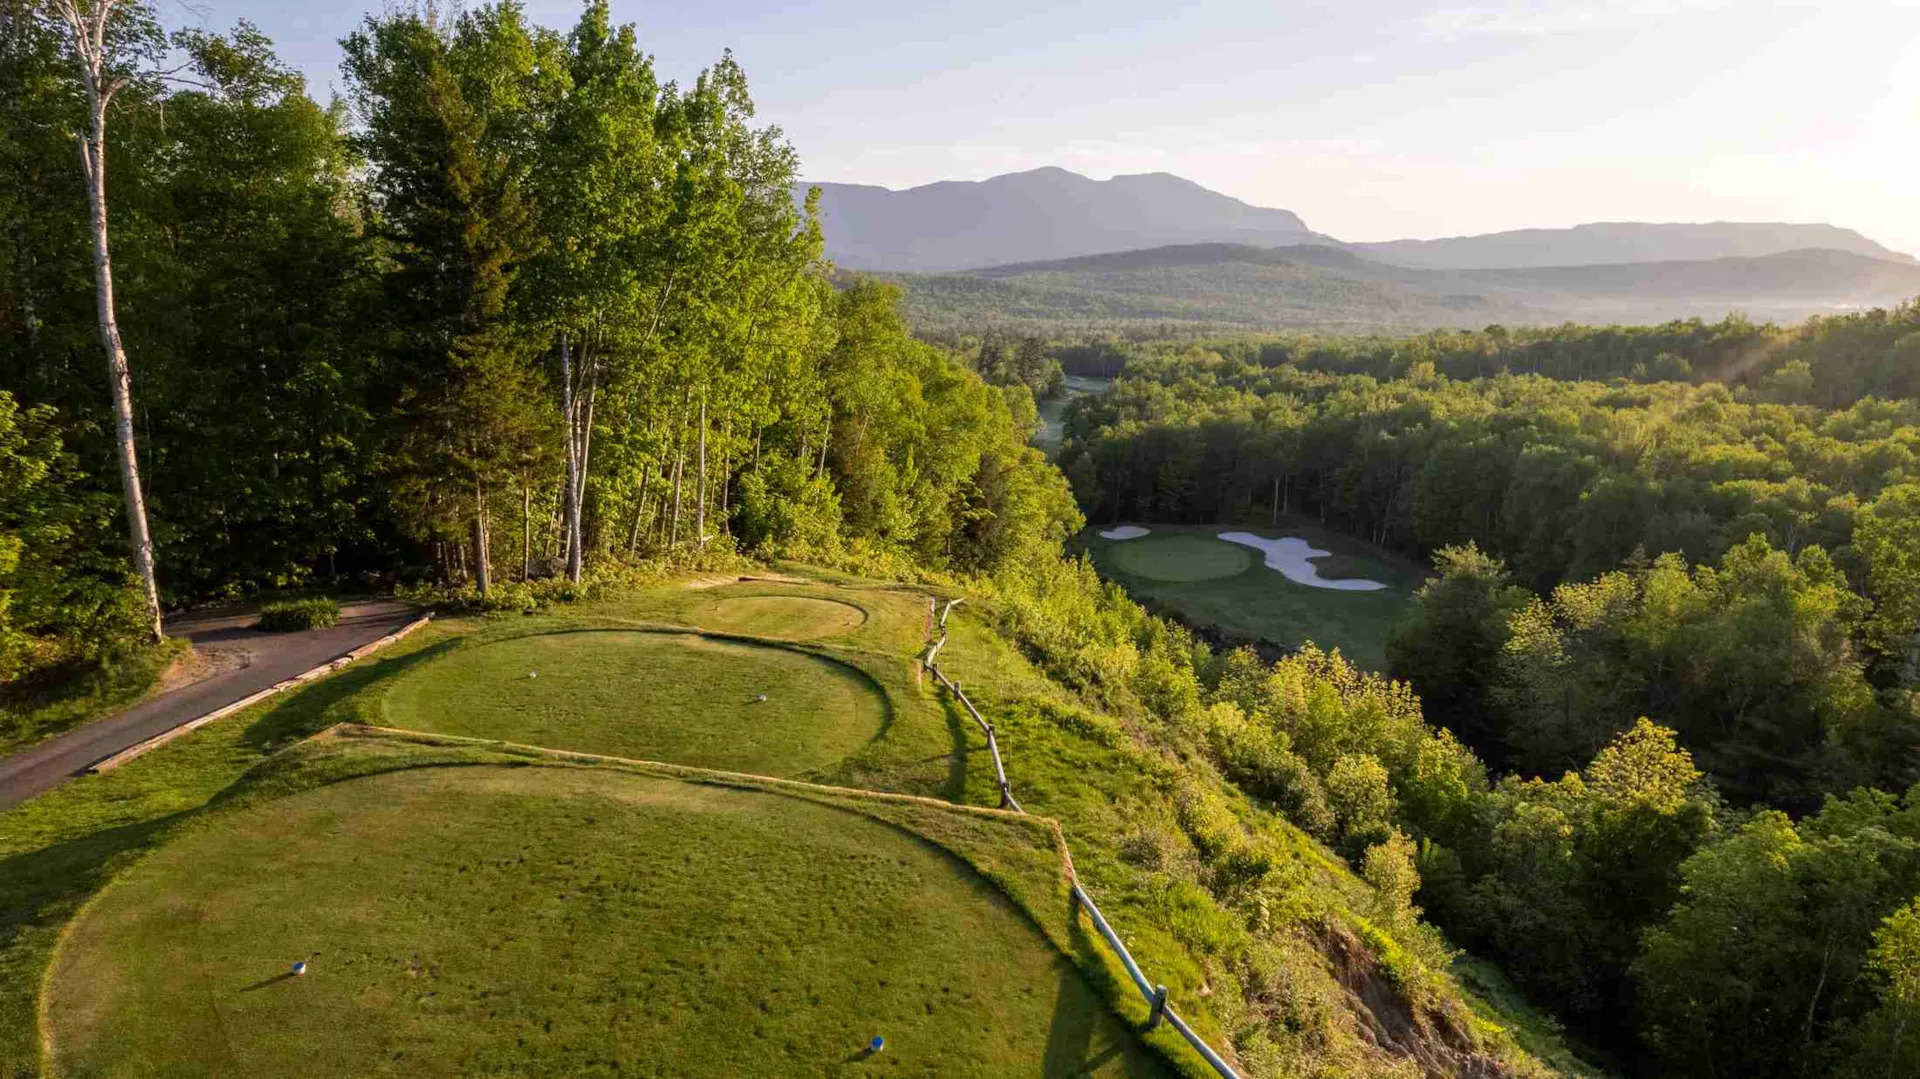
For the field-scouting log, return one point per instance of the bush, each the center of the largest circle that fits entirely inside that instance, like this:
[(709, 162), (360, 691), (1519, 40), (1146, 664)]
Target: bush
[(290, 614)]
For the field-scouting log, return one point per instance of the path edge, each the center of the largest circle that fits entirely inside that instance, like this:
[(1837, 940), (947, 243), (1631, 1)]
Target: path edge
[(115, 760)]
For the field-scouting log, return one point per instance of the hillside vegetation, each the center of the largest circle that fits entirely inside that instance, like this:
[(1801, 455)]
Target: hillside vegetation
[(1703, 592)]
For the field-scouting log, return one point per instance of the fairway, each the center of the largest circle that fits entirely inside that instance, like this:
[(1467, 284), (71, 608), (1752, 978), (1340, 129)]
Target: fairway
[(1205, 581), (791, 617), (556, 921), (675, 697)]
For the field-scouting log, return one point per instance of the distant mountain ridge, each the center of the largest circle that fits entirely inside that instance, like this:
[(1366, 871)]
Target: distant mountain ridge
[(1051, 214), (1615, 242), (1047, 213)]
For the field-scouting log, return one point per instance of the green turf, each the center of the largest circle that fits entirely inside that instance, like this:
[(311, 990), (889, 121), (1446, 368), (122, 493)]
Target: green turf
[(1258, 602), (788, 617), (540, 921), (895, 619), (674, 697), (1179, 558)]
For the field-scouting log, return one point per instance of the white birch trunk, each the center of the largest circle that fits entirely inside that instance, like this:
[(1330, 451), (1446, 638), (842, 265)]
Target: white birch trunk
[(569, 505), (89, 31)]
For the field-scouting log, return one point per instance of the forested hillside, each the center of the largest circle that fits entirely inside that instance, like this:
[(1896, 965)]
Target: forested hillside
[(1734, 563)]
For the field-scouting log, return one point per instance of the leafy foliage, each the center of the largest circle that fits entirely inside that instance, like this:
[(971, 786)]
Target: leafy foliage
[(296, 614)]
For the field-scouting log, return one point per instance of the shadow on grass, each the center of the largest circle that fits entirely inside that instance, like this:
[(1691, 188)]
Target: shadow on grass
[(955, 788), (42, 887), (47, 880), (316, 707), (268, 983), (1073, 1028)]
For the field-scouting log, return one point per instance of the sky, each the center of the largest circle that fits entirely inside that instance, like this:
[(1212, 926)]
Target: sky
[(1371, 119)]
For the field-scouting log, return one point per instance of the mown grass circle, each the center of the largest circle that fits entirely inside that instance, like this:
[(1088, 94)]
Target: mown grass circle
[(791, 617), (1180, 557), (557, 922), (675, 697)]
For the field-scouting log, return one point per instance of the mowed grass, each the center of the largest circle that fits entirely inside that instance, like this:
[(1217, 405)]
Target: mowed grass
[(787, 617), (674, 697), (1258, 602), (1180, 558), (554, 921)]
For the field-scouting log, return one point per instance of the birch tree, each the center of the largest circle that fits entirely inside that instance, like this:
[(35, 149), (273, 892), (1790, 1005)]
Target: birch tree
[(104, 37)]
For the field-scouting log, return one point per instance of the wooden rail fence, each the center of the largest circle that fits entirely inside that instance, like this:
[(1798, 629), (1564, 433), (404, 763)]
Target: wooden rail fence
[(1155, 995)]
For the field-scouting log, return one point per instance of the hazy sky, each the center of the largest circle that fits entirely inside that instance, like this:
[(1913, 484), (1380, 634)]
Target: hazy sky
[(1373, 120)]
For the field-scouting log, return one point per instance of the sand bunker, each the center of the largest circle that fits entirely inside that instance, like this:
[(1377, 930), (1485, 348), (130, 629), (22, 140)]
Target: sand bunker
[(1124, 532), (1292, 556)]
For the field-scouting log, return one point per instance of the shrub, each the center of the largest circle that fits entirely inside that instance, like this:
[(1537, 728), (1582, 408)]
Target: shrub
[(290, 614)]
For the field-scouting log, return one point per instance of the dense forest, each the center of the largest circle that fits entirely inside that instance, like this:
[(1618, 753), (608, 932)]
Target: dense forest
[(519, 318), (1644, 575), (517, 308)]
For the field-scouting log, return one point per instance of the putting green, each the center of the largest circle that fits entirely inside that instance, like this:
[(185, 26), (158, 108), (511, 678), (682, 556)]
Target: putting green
[(675, 697), (792, 617), (555, 921), (1179, 557)]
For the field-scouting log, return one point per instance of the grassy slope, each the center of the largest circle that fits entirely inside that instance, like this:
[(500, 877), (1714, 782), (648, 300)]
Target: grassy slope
[(1115, 795), (1261, 603)]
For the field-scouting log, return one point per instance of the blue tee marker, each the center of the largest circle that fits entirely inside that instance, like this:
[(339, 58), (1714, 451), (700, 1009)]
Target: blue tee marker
[(878, 1043), (300, 967)]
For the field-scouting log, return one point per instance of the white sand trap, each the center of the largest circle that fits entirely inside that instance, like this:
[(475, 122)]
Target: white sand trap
[(1292, 556), (1124, 532)]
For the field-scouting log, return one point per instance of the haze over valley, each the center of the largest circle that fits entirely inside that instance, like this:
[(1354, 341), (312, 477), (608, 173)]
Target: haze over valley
[(1049, 247)]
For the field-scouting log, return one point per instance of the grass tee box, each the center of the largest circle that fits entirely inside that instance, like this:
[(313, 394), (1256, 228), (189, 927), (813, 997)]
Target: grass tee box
[(569, 920), (1208, 582), (648, 695)]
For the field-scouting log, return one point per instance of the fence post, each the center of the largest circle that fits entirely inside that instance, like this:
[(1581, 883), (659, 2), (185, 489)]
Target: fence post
[(1159, 1007)]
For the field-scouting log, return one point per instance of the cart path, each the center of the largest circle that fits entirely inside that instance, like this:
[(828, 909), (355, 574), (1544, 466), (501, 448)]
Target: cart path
[(271, 658)]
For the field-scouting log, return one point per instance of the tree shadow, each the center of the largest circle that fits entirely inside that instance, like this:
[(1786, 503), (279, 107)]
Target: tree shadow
[(313, 708), (45, 886)]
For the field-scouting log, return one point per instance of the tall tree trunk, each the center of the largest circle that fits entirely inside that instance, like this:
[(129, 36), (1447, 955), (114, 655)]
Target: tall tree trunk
[(90, 40), (679, 465), (639, 509), (591, 396), (482, 570), (526, 529), (1276, 502), (700, 502), (570, 506), (826, 439)]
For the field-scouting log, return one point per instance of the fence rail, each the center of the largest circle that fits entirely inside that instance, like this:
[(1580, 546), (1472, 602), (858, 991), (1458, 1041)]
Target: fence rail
[(1155, 995)]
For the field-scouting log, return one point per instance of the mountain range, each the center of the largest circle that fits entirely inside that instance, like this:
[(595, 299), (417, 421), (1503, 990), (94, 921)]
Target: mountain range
[(1047, 213), (1050, 246)]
